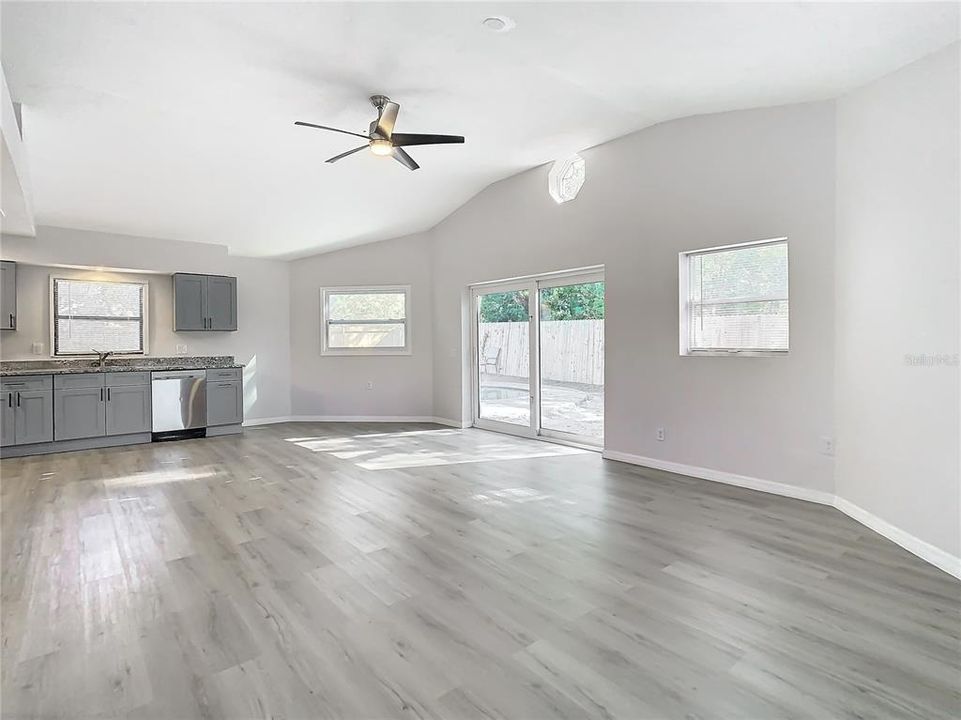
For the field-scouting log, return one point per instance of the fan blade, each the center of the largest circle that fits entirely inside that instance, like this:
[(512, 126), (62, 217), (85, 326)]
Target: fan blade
[(401, 156), (324, 127), (335, 158), (402, 139), (388, 116)]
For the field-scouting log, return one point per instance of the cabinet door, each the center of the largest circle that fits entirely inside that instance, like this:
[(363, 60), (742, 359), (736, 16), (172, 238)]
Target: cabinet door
[(128, 409), (8, 295), (34, 416), (221, 303), (190, 302), (8, 419), (79, 413), (225, 403)]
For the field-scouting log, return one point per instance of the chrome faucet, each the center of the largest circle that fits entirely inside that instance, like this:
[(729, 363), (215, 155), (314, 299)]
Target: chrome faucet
[(102, 356)]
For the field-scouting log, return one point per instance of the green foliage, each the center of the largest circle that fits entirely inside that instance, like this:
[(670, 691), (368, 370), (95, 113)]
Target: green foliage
[(504, 307), (573, 302), (569, 302)]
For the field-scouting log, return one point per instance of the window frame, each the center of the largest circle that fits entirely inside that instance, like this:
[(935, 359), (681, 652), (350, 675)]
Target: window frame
[(326, 292), (144, 316), (684, 274)]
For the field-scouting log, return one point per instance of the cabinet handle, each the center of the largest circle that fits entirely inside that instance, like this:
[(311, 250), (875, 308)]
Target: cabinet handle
[(18, 399), (108, 394), (101, 394), (11, 320), (9, 399)]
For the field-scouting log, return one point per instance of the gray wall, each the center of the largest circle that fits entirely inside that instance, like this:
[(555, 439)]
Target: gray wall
[(262, 341), (898, 236), (336, 386), (687, 184)]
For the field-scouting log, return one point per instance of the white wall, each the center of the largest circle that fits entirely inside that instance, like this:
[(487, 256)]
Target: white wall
[(898, 236), (262, 341), (687, 184), (336, 386)]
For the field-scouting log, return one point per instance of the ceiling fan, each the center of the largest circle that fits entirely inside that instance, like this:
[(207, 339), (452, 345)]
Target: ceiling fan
[(382, 140)]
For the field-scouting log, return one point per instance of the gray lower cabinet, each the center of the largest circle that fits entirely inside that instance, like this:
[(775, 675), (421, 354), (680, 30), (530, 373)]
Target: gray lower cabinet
[(27, 415), (92, 405), (79, 412), (8, 421), (34, 419), (225, 402), (8, 295), (128, 409), (204, 302)]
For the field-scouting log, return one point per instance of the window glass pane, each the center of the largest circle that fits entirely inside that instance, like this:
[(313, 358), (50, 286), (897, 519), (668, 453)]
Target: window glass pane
[(98, 315), (107, 299), (738, 299), (740, 273), (503, 342), (366, 306), (85, 336), (366, 335), (742, 325)]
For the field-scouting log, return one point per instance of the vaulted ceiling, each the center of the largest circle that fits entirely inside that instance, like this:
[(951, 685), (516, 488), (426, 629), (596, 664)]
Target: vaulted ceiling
[(175, 120)]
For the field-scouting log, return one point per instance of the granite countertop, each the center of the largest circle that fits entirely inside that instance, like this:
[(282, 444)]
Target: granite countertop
[(140, 364)]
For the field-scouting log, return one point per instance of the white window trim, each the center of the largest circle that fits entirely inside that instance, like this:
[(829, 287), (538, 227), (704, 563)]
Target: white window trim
[(684, 328), (53, 317), (360, 289)]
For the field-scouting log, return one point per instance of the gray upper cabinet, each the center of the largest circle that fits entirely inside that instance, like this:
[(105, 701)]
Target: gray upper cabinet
[(221, 303), (190, 302), (204, 302), (8, 295), (128, 409), (27, 410), (225, 402)]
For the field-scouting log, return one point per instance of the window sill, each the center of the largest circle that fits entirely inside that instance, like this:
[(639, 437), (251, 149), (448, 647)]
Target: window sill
[(735, 353), (364, 352)]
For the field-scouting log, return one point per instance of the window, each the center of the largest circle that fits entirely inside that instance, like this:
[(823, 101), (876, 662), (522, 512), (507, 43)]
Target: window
[(366, 321), (735, 299), (92, 315)]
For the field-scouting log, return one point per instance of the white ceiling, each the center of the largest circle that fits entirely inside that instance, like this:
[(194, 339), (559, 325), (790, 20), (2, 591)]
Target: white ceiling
[(175, 120)]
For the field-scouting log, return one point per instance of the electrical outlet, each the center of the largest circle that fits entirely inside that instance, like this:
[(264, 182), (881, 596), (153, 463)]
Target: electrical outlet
[(37, 348), (370, 384), (660, 434), (827, 445), (181, 349)]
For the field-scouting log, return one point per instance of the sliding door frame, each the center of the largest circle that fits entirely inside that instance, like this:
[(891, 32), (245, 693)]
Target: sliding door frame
[(533, 285)]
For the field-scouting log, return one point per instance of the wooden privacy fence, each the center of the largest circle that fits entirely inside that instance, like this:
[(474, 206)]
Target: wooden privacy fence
[(571, 350)]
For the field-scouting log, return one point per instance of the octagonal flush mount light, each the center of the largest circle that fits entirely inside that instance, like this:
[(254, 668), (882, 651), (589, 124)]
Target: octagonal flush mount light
[(566, 177)]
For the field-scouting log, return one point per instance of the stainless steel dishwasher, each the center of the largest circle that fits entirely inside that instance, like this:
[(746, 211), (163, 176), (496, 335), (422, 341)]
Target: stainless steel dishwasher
[(179, 400)]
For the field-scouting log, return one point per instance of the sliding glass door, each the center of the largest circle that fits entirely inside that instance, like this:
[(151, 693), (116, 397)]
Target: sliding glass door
[(538, 362), (571, 356), (503, 361)]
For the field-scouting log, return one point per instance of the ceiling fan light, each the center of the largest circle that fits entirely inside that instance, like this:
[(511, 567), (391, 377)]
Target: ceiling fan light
[(381, 147)]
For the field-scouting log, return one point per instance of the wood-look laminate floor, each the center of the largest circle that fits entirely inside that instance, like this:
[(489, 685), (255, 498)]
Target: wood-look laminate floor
[(372, 571)]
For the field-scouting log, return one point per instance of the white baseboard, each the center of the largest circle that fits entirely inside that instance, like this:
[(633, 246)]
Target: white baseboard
[(924, 550), (745, 481), (354, 418), (927, 552)]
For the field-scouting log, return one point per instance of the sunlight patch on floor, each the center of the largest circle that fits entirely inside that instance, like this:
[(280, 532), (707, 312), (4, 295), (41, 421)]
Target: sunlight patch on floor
[(406, 449)]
